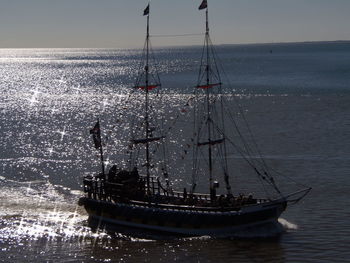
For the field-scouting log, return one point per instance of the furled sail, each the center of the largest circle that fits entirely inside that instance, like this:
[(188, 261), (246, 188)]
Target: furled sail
[(146, 140), (211, 142), (208, 86), (149, 87)]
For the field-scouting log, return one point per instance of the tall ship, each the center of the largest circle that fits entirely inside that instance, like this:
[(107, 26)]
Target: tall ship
[(139, 193)]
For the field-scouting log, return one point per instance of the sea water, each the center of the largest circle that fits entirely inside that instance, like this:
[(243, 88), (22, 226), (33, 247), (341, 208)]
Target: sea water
[(295, 98)]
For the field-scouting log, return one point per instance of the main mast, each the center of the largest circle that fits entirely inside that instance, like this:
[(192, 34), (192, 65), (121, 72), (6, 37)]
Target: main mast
[(209, 79), (146, 12)]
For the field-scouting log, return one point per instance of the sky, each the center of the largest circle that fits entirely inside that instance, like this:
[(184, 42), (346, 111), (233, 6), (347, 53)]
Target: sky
[(120, 23)]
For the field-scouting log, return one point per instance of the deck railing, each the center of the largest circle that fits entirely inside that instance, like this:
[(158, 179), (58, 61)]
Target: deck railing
[(99, 189)]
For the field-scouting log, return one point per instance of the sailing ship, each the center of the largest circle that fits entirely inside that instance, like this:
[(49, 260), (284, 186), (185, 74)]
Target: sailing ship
[(132, 196)]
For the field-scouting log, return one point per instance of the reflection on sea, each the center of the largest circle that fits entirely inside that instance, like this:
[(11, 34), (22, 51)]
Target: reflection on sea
[(49, 99)]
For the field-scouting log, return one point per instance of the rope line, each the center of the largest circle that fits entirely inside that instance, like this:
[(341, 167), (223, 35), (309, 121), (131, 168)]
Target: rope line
[(179, 35)]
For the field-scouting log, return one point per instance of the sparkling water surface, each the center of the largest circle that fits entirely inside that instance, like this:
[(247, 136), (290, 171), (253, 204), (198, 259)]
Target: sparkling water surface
[(294, 96)]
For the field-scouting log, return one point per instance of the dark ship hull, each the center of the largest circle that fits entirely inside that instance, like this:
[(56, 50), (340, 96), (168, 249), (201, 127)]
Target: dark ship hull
[(183, 220)]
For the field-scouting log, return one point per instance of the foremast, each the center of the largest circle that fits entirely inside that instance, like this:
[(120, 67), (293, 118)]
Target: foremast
[(145, 84), (207, 69)]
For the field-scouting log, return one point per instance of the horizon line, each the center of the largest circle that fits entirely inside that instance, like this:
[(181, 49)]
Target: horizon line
[(175, 46)]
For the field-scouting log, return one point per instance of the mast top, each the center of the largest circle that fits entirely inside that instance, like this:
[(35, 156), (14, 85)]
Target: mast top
[(204, 5)]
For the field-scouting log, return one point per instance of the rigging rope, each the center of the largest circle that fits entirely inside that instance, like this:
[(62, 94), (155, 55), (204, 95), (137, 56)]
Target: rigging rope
[(179, 35), (249, 151)]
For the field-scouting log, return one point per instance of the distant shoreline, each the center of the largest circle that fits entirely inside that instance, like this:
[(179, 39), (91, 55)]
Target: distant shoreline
[(184, 46), (289, 43)]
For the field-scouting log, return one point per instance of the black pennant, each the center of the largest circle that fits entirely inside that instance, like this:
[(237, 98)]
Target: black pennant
[(203, 5), (146, 11), (96, 135)]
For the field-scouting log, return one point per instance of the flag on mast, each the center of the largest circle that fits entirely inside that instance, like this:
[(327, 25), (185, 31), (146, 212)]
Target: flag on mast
[(96, 135), (203, 5), (146, 11)]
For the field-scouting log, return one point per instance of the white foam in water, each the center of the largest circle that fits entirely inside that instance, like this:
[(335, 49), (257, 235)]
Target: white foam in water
[(287, 225)]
